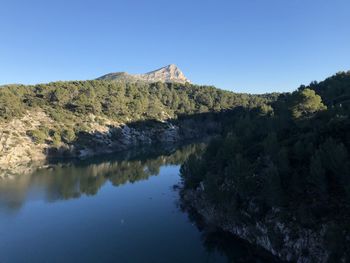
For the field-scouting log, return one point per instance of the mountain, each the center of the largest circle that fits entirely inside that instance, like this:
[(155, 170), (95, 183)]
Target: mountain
[(170, 73)]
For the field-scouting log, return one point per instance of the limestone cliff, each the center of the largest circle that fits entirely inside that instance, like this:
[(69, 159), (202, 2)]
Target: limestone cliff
[(170, 73)]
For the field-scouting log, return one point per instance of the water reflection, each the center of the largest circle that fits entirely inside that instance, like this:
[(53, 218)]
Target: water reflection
[(120, 218), (215, 240), (72, 179)]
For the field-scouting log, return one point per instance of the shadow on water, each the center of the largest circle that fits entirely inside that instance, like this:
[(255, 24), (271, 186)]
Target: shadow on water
[(76, 178), (72, 179), (216, 240)]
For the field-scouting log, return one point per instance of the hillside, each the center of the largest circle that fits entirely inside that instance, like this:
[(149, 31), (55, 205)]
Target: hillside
[(282, 181), (90, 117)]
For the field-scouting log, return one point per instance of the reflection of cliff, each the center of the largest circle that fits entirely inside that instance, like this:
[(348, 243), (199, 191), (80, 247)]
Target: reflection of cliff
[(214, 239), (278, 232), (73, 179)]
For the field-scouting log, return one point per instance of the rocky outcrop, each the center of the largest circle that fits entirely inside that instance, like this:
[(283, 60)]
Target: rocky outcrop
[(170, 73), (15, 145), (280, 235), (122, 137)]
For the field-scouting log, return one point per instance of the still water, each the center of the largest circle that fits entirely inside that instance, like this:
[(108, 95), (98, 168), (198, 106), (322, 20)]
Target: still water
[(113, 209)]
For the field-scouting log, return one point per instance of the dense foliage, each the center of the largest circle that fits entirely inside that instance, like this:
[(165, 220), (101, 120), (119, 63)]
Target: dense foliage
[(292, 156), (119, 100), (72, 105)]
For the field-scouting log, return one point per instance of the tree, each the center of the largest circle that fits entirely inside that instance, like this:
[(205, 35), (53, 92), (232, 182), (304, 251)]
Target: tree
[(272, 188), (317, 177), (305, 103), (271, 145), (192, 171), (335, 160)]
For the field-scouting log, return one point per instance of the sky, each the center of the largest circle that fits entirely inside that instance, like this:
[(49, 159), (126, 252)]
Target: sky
[(253, 46)]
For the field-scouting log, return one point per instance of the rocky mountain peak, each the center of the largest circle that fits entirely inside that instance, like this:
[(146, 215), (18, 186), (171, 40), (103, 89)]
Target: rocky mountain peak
[(170, 73)]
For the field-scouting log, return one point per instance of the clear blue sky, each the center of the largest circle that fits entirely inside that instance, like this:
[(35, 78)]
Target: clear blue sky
[(251, 46)]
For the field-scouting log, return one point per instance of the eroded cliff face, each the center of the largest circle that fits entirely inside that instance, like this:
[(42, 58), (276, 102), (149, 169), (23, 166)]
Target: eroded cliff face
[(18, 147), (279, 234), (170, 73)]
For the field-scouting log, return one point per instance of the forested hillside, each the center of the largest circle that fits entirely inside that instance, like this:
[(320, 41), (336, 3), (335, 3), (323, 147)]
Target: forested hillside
[(121, 101), (86, 117), (293, 161)]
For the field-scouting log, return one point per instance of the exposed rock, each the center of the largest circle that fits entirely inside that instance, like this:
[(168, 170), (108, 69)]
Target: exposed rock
[(170, 73), (171, 134), (100, 137), (15, 146), (285, 239)]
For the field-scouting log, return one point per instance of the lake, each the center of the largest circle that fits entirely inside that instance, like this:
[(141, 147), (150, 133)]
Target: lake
[(120, 208)]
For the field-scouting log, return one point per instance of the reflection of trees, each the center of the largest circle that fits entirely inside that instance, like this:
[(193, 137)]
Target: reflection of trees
[(73, 179)]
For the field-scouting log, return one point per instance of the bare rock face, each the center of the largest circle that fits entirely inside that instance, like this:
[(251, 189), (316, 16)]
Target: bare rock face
[(170, 73)]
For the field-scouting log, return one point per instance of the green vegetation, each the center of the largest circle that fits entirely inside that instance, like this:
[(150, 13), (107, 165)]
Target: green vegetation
[(277, 149), (39, 135), (278, 152), (293, 156), (305, 103), (74, 105), (65, 101)]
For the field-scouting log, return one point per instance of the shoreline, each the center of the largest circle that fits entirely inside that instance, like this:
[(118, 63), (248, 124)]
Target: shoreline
[(287, 240)]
